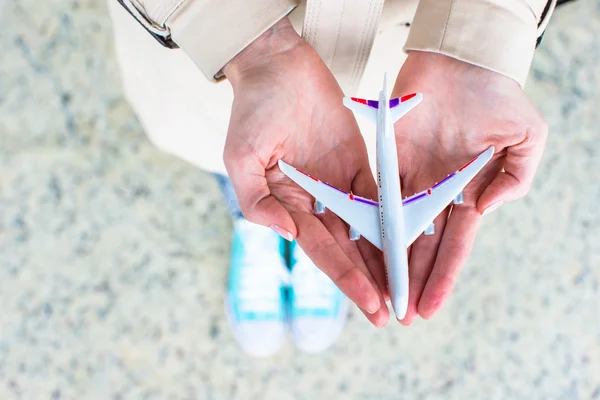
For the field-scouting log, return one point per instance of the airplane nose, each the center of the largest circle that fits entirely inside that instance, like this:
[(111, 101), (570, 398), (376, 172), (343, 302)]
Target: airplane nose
[(400, 305)]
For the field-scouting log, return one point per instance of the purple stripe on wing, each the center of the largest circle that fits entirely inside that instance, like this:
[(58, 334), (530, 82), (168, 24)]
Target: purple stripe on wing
[(412, 199), (373, 103), (394, 102), (444, 180), (366, 201), (333, 187)]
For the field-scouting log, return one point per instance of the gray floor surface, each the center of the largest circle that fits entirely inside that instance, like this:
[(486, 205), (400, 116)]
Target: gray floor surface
[(113, 255)]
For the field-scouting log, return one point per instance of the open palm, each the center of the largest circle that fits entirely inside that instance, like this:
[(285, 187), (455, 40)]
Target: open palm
[(465, 110), (291, 109)]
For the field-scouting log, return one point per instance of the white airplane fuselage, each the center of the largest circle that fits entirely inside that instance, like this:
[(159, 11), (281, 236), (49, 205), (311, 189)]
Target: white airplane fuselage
[(390, 209)]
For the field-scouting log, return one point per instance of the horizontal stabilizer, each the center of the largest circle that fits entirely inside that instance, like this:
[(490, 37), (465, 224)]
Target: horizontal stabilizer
[(404, 105), (399, 106), (361, 108)]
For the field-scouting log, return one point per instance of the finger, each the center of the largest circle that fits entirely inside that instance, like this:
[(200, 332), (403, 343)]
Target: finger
[(520, 164), (324, 251), (422, 258), (364, 185), (339, 231), (380, 318), (248, 177), (374, 262), (454, 249)]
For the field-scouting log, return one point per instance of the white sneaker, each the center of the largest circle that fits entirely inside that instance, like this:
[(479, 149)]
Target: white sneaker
[(318, 309), (257, 278)]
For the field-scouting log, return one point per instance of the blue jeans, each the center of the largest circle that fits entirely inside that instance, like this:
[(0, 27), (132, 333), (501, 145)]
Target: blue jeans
[(229, 196)]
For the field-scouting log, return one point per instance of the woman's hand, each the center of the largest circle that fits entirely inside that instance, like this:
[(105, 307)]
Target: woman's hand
[(465, 110), (288, 106)]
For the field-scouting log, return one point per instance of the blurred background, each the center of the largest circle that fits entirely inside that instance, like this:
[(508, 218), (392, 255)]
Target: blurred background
[(114, 256)]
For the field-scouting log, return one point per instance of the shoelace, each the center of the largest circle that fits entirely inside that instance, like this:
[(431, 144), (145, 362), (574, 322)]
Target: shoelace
[(263, 272), (312, 288)]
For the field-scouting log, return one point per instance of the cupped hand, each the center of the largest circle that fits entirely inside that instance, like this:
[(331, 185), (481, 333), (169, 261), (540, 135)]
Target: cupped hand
[(465, 110), (288, 106)]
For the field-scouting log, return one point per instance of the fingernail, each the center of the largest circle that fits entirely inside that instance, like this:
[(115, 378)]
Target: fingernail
[(283, 233), (373, 307), (493, 207)]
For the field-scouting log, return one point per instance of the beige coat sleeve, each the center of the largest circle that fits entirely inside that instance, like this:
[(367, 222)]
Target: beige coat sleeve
[(212, 32), (499, 35)]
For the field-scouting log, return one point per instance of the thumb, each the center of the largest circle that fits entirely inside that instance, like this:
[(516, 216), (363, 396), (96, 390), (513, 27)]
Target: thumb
[(515, 178), (258, 205)]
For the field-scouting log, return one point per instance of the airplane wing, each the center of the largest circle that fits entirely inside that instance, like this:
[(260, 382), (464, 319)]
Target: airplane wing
[(363, 214), (421, 209), (360, 213)]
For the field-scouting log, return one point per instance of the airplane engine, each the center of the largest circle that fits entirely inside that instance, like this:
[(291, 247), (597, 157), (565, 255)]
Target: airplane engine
[(459, 199), (353, 234), (319, 208), (430, 230)]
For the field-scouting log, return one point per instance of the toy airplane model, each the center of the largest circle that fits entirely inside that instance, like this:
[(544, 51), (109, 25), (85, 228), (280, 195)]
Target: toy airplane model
[(392, 224)]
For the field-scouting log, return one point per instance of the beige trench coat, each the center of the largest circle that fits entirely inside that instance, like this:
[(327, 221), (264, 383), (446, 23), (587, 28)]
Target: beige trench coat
[(184, 111)]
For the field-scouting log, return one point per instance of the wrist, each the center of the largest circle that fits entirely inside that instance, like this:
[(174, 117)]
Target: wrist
[(435, 69), (278, 40), (429, 62)]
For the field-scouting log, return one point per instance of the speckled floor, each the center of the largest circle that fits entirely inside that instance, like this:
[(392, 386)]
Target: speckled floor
[(113, 256)]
